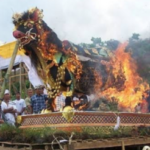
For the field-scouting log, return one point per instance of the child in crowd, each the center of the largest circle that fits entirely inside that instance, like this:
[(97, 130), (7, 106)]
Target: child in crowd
[(49, 107)]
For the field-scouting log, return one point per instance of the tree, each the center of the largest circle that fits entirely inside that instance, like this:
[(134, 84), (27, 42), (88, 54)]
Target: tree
[(112, 44), (135, 36), (96, 41)]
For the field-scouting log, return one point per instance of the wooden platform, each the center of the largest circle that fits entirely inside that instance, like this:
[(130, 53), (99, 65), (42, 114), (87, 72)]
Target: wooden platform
[(85, 144)]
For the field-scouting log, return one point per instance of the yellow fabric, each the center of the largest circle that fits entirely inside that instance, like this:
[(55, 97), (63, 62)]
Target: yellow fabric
[(68, 113), (7, 50), (45, 111), (19, 119)]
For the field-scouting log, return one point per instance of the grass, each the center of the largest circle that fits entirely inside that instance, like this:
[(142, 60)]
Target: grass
[(47, 134)]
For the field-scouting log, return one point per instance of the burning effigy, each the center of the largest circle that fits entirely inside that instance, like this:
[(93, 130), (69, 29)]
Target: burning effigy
[(69, 68)]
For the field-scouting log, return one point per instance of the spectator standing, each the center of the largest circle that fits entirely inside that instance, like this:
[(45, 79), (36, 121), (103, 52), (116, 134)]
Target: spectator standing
[(28, 101), (8, 109), (37, 101), (42, 88), (20, 104)]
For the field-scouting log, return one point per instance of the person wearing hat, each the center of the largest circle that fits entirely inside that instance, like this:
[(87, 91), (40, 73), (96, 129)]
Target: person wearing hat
[(8, 109), (37, 101)]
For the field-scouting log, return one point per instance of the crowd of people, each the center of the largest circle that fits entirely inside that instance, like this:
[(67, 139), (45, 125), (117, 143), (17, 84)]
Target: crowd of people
[(37, 102)]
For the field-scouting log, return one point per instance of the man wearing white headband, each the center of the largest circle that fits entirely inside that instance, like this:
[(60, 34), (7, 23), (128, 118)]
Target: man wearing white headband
[(8, 109)]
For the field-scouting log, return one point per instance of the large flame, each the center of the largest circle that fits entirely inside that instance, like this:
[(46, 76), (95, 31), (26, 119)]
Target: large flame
[(132, 87)]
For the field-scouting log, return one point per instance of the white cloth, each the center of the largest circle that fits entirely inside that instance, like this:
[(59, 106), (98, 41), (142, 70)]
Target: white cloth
[(60, 102), (32, 74), (8, 117), (117, 124), (6, 91), (4, 62), (20, 104), (75, 99)]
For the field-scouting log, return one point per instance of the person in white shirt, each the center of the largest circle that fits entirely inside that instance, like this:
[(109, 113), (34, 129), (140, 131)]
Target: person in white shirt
[(59, 101), (8, 109), (20, 104)]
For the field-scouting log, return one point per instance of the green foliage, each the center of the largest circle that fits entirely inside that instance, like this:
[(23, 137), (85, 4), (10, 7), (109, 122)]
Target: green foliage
[(27, 82), (8, 132), (3, 74), (113, 104), (135, 36), (15, 87), (96, 41), (140, 50), (85, 45), (47, 134), (112, 44), (29, 135)]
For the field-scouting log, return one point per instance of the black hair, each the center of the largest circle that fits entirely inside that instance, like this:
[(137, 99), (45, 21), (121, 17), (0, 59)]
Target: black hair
[(85, 100), (68, 101), (50, 101), (17, 92)]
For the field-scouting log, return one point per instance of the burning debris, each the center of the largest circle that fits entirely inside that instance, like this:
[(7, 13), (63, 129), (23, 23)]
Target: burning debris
[(123, 83)]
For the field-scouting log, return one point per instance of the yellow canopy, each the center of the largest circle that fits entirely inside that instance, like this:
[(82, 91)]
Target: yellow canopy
[(7, 50)]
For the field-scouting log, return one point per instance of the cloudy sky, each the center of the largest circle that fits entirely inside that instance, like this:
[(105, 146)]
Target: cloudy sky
[(79, 20)]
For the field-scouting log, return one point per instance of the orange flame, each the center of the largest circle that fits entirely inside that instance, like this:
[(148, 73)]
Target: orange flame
[(131, 91)]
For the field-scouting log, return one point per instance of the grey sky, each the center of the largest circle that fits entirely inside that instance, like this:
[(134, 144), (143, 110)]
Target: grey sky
[(79, 20)]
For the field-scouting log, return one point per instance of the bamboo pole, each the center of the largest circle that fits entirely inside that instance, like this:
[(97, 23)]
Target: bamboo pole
[(123, 146), (10, 85), (16, 76), (0, 74), (9, 68), (15, 79), (0, 79), (20, 66)]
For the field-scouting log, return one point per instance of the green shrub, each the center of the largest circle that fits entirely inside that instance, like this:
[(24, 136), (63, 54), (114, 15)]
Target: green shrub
[(8, 132)]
